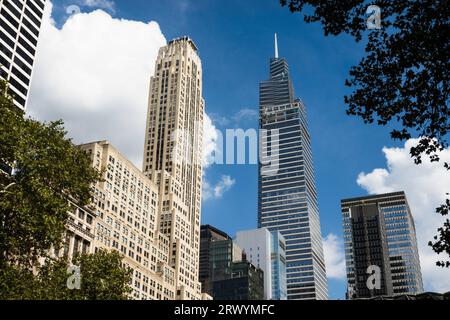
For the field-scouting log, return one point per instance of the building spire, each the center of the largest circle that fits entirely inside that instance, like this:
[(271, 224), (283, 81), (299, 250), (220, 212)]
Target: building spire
[(276, 47)]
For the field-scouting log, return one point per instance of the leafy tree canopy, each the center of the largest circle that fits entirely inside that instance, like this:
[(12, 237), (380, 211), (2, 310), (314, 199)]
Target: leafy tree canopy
[(102, 277), (40, 169), (403, 80)]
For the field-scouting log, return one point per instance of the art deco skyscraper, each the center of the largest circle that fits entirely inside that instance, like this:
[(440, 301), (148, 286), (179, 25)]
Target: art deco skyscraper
[(173, 156), (287, 198), (20, 23)]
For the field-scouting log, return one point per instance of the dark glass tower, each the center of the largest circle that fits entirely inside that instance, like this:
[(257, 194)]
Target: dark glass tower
[(208, 235), (379, 230), (287, 198)]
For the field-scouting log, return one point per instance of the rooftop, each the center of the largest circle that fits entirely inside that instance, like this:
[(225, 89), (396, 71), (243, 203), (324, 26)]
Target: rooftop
[(185, 38)]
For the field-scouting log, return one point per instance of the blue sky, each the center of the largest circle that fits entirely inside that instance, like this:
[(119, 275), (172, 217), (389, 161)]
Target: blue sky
[(235, 39)]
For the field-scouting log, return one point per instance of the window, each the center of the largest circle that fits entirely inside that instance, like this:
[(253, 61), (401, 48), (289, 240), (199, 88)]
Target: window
[(81, 214)]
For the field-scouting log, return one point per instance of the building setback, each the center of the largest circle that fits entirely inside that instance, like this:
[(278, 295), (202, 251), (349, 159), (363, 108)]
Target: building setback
[(379, 231), (266, 250), (173, 156), (20, 24), (287, 198)]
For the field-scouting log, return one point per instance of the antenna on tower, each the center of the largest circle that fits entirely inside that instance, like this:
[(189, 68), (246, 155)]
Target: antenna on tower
[(276, 47)]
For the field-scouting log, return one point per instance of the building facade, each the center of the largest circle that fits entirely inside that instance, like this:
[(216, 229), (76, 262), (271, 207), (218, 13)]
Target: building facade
[(208, 234), (370, 249), (278, 262), (79, 236), (153, 216), (222, 255), (379, 231), (267, 251), (246, 282), (123, 216), (20, 24), (173, 156), (287, 197), (226, 272)]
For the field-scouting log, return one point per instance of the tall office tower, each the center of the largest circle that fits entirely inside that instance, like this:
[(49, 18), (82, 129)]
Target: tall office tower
[(173, 156), (20, 23), (287, 199), (379, 231), (267, 250), (123, 217), (208, 234)]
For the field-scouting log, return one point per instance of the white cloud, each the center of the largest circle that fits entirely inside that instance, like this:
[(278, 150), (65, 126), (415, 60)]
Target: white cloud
[(211, 150), (101, 4), (333, 249), (94, 74), (245, 114), (216, 191), (210, 141), (426, 186)]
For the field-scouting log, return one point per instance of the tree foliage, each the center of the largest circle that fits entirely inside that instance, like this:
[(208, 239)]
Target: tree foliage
[(102, 278), (39, 170), (403, 80), (46, 168), (442, 240)]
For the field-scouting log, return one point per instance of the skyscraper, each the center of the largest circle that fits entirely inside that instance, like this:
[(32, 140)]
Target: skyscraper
[(287, 198), (173, 156), (379, 231), (267, 250), (20, 23)]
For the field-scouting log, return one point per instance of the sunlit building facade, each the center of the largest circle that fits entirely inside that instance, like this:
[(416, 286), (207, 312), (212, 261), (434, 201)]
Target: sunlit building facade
[(173, 156), (125, 210)]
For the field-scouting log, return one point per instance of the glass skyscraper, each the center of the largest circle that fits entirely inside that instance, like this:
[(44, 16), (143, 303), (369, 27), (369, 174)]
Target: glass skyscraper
[(379, 231), (287, 198), (278, 261)]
